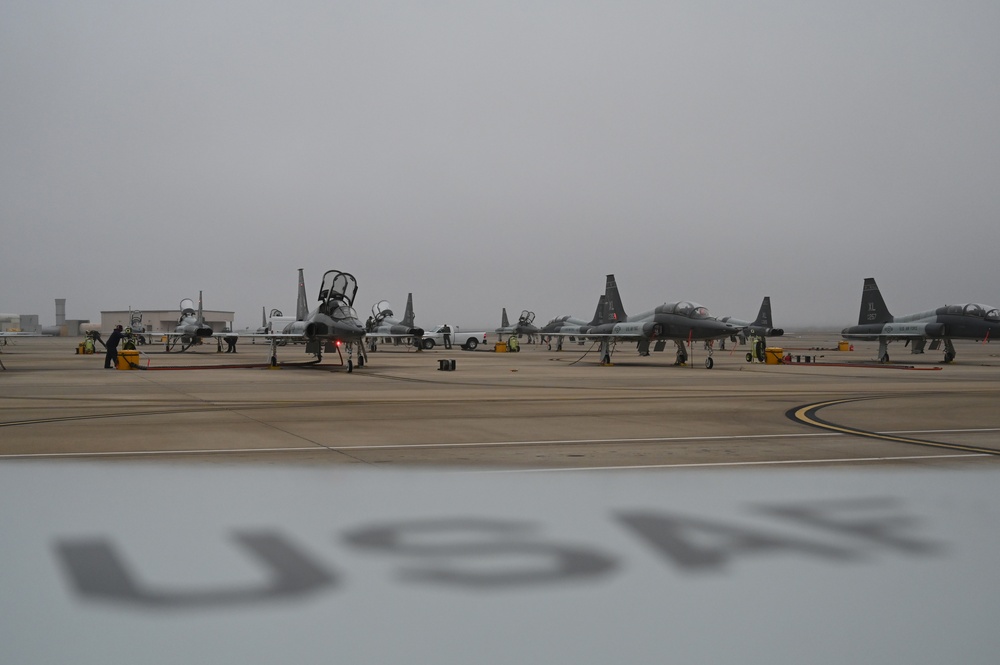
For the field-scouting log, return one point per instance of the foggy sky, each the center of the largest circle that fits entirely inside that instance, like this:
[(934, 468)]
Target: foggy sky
[(500, 154)]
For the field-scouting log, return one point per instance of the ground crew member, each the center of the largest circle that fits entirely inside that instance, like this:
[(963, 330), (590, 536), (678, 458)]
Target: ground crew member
[(447, 336), (111, 358), (512, 344), (231, 342)]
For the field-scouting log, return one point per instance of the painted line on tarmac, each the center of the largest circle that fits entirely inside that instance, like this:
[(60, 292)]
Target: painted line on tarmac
[(806, 414), (484, 444), (635, 467)]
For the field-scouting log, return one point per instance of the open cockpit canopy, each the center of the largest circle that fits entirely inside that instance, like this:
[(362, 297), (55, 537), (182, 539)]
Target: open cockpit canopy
[(339, 286), (381, 311)]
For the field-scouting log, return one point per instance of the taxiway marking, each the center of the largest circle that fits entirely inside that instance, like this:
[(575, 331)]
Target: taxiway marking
[(633, 467), (892, 435), (807, 415)]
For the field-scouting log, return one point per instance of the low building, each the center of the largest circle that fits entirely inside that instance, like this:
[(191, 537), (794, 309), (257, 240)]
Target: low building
[(163, 320)]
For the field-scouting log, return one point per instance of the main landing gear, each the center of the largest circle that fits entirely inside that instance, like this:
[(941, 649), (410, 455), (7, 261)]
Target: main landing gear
[(883, 351), (605, 351)]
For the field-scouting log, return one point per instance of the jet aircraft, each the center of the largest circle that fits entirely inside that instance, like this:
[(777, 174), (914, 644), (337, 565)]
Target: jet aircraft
[(563, 326), (333, 324), (525, 325), (677, 321), (944, 324), (191, 327), (759, 327), (381, 324)]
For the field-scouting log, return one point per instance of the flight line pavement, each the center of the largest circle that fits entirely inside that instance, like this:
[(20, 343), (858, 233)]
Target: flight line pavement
[(532, 410)]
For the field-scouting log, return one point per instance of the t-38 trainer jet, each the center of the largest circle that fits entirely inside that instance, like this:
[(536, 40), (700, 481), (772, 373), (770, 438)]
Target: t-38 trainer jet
[(191, 327), (525, 325), (968, 321), (761, 328), (568, 326), (382, 325), (332, 325), (677, 321)]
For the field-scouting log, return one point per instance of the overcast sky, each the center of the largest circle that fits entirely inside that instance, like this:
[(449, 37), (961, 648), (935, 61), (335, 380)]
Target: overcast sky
[(500, 154)]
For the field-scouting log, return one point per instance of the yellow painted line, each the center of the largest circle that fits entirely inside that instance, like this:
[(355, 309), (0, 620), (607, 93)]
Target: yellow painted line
[(806, 414)]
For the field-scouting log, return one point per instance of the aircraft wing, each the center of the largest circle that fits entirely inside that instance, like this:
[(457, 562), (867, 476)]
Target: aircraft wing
[(630, 335), (392, 335), (221, 333), (898, 331), (531, 567)]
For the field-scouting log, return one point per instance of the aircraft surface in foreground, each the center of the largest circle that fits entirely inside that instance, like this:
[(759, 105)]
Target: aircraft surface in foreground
[(332, 325), (681, 322), (966, 321), (382, 325)]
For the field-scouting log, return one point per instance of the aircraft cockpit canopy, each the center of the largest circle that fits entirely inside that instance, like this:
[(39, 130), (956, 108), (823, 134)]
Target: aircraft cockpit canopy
[(692, 310), (972, 309), (341, 286), (187, 307), (381, 311), (527, 318), (993, 314), (345, 314)]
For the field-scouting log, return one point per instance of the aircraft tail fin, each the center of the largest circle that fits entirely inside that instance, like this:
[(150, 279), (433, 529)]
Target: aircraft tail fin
[(201, 312), (617, 313), (301, 304), (263, 317), (601, 314), (764, 319), (408, 314), (504, 322), (873, 308)]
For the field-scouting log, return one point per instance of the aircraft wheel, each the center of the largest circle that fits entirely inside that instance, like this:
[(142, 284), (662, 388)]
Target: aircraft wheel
[(274, 361), (350, 366), (709, 363), (361, 361), (884, 359), (749, 357), (471, 344), (606, 360), (949, 357), (428, 344)]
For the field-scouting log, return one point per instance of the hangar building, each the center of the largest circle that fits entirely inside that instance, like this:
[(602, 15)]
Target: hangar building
[(163, 320)]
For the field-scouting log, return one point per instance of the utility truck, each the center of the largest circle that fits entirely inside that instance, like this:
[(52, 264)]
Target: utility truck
[(459, 337)]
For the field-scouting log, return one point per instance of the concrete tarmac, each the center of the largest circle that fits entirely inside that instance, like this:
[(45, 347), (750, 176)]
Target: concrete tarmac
[(505, 412)]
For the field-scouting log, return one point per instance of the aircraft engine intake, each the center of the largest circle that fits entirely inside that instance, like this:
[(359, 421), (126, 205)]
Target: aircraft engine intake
[(306, 328), (934, 330)]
